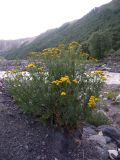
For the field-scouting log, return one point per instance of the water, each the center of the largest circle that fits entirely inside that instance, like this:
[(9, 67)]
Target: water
[(112, 78)]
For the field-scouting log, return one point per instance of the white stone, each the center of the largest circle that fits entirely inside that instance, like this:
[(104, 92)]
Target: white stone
[(118, 98), (114, 152), (100, 133)]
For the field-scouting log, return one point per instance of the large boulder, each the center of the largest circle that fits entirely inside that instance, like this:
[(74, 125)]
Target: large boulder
[(100, 146), (111, 132)]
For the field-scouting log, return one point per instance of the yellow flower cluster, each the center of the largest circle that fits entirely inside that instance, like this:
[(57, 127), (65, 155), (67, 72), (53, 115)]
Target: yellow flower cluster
[(30, 66), (73, 45), (63, 93), (100, 74), (64, 79), (82, 54), (50, 51), (92, 101), (75, 81)]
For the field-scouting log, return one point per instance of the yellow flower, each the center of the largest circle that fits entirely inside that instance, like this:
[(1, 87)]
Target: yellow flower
[(93, 59), (92, 102), (84, 54), (65, 79), (75, 81), (29, 66), (97, 99), (103, 78), (99, 72), (62, 80), (73, 45), (50, 51), (56, 82), (63, 93), (15, 71), (40, 68)]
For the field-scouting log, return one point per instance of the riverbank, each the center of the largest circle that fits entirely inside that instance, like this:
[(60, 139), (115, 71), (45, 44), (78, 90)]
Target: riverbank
[(7, 65), (22, 136)]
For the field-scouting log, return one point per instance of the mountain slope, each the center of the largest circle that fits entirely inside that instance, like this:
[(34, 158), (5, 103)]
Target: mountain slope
[(6, 45), (104, 18)]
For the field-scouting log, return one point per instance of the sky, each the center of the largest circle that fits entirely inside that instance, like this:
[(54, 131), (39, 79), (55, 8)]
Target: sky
[(28, 18)]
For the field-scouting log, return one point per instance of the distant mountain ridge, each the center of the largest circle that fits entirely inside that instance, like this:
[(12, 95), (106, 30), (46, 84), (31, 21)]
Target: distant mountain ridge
[(105, 18), (6, 45)]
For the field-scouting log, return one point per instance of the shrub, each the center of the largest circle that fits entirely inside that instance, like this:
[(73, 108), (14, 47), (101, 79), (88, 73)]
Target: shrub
[(112, 95), (98, 118), (57, 86)]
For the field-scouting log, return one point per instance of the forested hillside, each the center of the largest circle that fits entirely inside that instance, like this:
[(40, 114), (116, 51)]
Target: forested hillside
[(105, 19)]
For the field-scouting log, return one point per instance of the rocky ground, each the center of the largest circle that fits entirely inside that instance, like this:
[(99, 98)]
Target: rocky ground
[(11, 64), (23, 137)]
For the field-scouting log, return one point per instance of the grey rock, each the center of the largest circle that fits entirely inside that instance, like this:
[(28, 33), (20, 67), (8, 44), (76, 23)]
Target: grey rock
[(102, 152), (111, 132), (88, 131), (108, 139), (111, 146), (99, 139), (117, 100)]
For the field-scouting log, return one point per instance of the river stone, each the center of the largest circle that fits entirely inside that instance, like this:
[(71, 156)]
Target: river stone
[(100, 146), (111, 146), (103, 152), (117, 100), (108, 139), (113, 133), (88, 131), (99, 139)]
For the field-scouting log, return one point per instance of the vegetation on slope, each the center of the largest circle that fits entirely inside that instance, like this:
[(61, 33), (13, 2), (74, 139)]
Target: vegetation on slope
[(103, 19)]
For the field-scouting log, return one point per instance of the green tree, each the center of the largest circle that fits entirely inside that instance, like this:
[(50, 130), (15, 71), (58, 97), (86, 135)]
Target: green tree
[(100, 43)]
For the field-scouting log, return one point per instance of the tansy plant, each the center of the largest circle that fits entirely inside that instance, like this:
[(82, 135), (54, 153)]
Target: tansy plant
[(58, 88)]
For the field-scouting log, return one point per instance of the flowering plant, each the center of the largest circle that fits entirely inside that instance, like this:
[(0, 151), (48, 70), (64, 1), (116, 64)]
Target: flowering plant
[(59, 89)]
